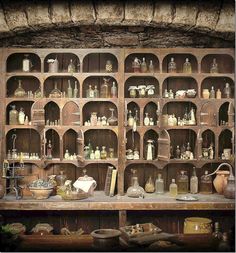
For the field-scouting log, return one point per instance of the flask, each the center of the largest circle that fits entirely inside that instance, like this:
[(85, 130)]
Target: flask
[(97, 153), (182, 182), (103, 153), (214, 67), (69, 90), (71, 67), (96, 92), (212, 93), (173, 189), (159, 184), (105, 88), (149, 186), (21, 116), (135, 191), (218, 94), (187, 68), (144, 66), (75, 93), (151, 67), (172, 66), (114, 90), (112, 120), (227, 91), (19, 92), (206, 184), (194, 182), (13, 116)]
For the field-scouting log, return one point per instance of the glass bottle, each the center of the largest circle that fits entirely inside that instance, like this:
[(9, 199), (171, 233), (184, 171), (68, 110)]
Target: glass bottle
[(173, 189), (61, 179), (75, 93), (171, 94), (108, 66), (96, 92), (13, 116), (93, 119), (55, 93), (26, 63), (217, 233), (19, 92), (49, 150), (132, 91), (105, 88), (166, 94), (90, 92), (69, 90), (112, 120), (136, 118), (97, 153), (227, 91), (67, 155), (111, 153), (194, 182), (150, 150), (136, 64), (212, 93), (151, 67), (178, 152), (114, 90), (187, 68), (86, 152), (143, 66), (206, 184), (188, 150), (103, 153), (71, 67), (182, 182), (21, 116), (214, 67), (218, 94), (92, 155), (130, 119), (149, 186), (26, 122), (172, 66), (159, 185), (135, 191), (146, 119)]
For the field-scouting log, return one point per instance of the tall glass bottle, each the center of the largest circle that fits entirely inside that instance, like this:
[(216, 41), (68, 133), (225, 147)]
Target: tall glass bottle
[(214, 67), (151, 67), (159, 185), (172, 66), (182, 182), (69, 90), (212, 93), (13, 116), (143, 66), (227, 91), (105, 88), (194, 182), (75, 93), (150, 150), (114, 90), (173, 189), (130, 119), (187, 68), (206, 184), (19, 92)]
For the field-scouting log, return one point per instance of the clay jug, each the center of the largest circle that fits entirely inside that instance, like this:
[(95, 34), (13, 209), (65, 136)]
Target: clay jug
[(220, 180)]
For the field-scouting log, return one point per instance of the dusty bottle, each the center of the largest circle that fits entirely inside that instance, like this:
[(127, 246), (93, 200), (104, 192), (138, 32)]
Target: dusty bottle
[(214, 67), (114, 90), (26, 63), (13, 116), (173, 189), (146, 119), (187, 68), (159, 185), (105, 88), (150, 150), (206, 184), (69, 90), (227, 91), (143, 66), (75, 93), (90, 92), (108, 66), (172, 66), (149, 186), (212, 93), (182, 182), (194, 182)]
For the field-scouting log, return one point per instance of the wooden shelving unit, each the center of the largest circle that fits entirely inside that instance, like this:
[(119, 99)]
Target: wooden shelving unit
[(91, 70)]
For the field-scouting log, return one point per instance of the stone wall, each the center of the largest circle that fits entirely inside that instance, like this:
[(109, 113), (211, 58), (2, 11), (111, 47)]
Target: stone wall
[(157, 23)]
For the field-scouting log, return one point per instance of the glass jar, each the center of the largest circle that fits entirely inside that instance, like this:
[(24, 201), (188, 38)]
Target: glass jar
[(108, 67), (111, 153), (149, 186), (105, 88), (71, 67), (13, 116), (172, 66), (55, 93), (103, 153), (53, 65), (93, 119), (182, 182), (135, 191), (19, 92), (61, 178), (159, 185), (206, 184), (150, 150), (112, 120), (132, 91), (150, 91)]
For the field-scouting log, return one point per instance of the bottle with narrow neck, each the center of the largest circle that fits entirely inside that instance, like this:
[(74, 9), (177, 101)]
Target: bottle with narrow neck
[(143, 66), (173, 189), (212, 92), (172, 66), (96, 92), (114, 90), (227, 91), (71, 67), (187, 68), (182, 182), (130, 119), (217, 233), (206, 184), (151, 67), (159, 185), (75, 93), (194, 182), (105, 88), (69, 90), (214, 67), (19, 92)]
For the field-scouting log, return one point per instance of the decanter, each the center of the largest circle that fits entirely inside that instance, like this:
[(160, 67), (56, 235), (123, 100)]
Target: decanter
[(187, 68), (149, 186), (13, 116), (55, 93), (71, 67), (206, 184), (19, 92), (112, 120), (159, 185), (105, 88), (182, 182), (143, 66), (172, 66), (214, 67), (135, 191)]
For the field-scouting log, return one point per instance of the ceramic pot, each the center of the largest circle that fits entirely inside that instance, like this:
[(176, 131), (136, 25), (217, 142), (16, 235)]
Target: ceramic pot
[(220, 180), (197, 225)]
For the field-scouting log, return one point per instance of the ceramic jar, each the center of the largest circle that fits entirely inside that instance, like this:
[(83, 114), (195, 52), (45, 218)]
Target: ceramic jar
[(221, 180), (205, 94), (197, 225)]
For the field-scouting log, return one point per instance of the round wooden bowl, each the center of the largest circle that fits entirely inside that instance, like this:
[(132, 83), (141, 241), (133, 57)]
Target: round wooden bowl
[(40, 193)]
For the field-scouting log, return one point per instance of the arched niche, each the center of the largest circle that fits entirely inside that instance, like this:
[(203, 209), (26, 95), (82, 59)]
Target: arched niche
[(98, 81), (180, 137), (226, 114), (53, 136), (179, 83), (70, 142), (62, 84), (143, 172), (102, 137), (15, 62), (208, 114), (148, 57), (207, 139), (225, 63), (142, 80), (28, 83), (150, 135), (96, 62), (26, 105), (133, 140), (164, 146), (218, 83), (150, 110), (180, 60), (101, 108), (226, 141), (70, 114), (63, 60), (27, 141), (133, 107), (52, 112)]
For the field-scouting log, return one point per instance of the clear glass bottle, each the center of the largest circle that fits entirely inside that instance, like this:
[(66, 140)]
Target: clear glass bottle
[(19, 92), (227, 91), (69, 90), (55, 93), (151, 67), (71, 67), (13, 116), (114, 90), (217, 234), (146, 119), (182, 182), (173, 189), (159, 185), (171, 94), (130, 119), (143, 66), (93, 119), (112, 120), (21, 116), (187, 68), (172, 66), (149, 186), (166, 94), (97, 153), (206, 184), (212, 93), (136, 65), (90, 92), (105, 88), (104, 153), (75, 93), (136, 117), (96, 92), (92, 155), (49, 150), (150, 150), (214, 67), (178, 152), (135, 191), (194, 182), (61, 179)]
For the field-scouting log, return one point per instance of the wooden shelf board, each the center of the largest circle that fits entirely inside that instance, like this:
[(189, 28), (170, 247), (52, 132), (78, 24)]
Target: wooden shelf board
[(102, 202)]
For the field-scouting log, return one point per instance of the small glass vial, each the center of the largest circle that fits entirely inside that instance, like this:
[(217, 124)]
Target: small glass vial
[(182, 182), (173, 189), (151, 67), (97, 153), (206, 184), (103, 153), (194, 182), (212, 93), (159, 185), (187, 68), (114, 90), (227, 91), (214, 67), (172, 66), (67, 155), (146, 119), (218, 94), (96, 92), (71, 67), (130, 119), (143, 66)]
